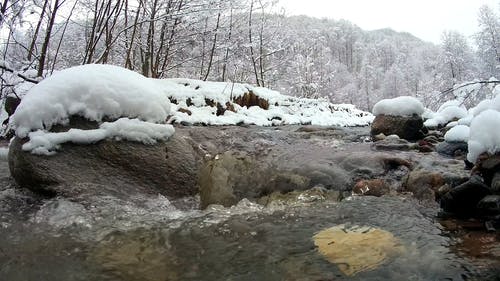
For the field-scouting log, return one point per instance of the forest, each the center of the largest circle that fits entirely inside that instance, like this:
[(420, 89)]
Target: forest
[(244, 41)]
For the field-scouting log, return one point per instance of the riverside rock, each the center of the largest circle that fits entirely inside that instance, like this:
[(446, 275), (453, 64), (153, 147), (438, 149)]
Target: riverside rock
[(452, 149), (406, 127), (117, 167), (463, 200)]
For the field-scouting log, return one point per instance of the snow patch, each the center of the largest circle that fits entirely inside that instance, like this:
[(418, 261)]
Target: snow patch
[(487, 104), (459, 133), (400, 106), (448, 111), (45, 143), (192, 96), (484, 134)]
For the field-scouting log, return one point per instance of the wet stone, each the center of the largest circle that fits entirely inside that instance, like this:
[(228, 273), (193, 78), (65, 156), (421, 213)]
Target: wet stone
[(463, 199), (452, 148), (490, 205), (374, 187)]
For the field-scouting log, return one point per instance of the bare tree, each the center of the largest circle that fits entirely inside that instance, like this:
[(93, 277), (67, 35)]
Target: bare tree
[(48, 32)]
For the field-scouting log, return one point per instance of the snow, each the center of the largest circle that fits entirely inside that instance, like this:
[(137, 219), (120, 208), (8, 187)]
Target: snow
[(466, 120), (283, 110), (459, 133), (428, 114), (142, 109), (484, 134), (400, 106), (452, 124), (487, 104), (447, 112), (94, 92), (45, 143)]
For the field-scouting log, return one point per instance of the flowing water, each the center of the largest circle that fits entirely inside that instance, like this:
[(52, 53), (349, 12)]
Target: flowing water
[(153, 238)]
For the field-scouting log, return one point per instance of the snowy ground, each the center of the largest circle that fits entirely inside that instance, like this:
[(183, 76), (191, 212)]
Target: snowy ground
[(146, 107)]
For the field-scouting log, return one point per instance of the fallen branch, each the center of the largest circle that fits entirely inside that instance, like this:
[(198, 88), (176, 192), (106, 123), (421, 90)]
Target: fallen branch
[(24, 77), (468, 84)]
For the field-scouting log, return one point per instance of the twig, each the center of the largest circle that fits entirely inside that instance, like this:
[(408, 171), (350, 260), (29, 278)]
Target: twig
[(24, 77)]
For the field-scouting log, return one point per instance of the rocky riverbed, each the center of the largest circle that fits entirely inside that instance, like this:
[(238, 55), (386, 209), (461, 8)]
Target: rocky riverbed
[(264, 193)]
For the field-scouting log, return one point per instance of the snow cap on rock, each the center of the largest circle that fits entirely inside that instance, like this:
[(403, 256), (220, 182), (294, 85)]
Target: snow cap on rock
[(484, 134), (93, 91), (400, 106)]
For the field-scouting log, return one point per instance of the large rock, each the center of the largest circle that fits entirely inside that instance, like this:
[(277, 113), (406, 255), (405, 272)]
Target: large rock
[(463, 199), (234, 175), (406, 127), (488, 166), (110, 167)]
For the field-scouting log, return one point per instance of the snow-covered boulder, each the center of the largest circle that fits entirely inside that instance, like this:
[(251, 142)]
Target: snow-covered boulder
[(119, 167), (121, 113), (399, 116), (484, 134), (406, 127), (400, 106)]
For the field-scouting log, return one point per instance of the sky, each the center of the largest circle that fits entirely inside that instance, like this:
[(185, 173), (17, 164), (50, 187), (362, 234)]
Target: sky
[(426, 19)]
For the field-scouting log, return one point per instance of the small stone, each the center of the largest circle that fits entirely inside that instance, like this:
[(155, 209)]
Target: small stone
[(490, 204), (452, 148), (422, 183), (183, 110), (379, 137), (374, 187), (425, 148), (431, 139)]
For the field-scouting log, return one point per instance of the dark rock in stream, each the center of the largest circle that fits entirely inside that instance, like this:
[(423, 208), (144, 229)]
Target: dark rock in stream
[(490, 205), (406, 127), (463, 200), (452, 149)]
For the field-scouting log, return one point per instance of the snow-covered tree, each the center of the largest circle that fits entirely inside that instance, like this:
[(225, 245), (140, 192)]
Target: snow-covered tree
[(488, 41)]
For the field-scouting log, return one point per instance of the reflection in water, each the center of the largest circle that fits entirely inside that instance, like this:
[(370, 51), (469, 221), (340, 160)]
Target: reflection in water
[(470, 240)]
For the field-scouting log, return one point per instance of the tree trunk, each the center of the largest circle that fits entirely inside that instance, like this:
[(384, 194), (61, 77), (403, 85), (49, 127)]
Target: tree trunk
[(46, 41), (37, 29)]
